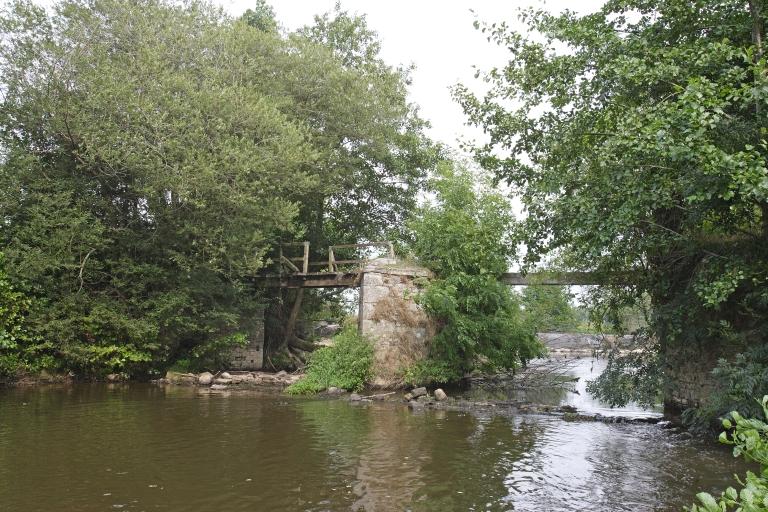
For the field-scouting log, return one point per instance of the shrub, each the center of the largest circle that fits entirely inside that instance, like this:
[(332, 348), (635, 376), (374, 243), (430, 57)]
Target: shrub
[(750, 438), (347, 364), (464, 236)]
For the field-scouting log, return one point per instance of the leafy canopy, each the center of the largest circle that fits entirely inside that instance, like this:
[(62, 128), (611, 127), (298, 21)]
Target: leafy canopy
[(636, 139), (154, 151)]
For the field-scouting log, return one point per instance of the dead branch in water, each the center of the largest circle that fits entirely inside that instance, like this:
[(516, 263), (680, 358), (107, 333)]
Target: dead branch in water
[(538, 373)]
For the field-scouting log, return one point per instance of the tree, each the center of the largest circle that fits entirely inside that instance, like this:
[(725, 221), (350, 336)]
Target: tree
[(464, 237), (373, 155), (145, 172), (637, 142), (262, 17), (549, 308)]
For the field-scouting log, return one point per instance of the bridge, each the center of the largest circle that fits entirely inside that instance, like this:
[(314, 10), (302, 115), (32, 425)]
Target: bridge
[(338, 274)]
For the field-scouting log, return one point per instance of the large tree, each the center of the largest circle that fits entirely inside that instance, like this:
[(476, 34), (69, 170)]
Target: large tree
[(636, 139), (373, 154)]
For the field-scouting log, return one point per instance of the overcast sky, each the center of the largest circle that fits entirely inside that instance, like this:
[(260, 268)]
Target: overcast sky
[(435, 35)]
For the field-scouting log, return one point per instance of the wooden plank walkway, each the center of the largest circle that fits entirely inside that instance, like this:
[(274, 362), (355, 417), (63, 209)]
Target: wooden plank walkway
[(337, 278), (352, 279)]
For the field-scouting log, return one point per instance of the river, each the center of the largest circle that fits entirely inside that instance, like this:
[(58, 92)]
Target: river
[(144, 447)]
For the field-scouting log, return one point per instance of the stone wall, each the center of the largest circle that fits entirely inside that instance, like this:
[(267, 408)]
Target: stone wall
[(389, 316), (252, 356), (694, 381)]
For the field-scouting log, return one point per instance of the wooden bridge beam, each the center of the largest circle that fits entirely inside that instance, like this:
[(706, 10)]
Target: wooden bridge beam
[(352, 280)]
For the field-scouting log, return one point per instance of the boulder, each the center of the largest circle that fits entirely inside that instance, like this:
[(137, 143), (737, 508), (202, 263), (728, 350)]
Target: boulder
[(222, 381), (333, 390), (328, 330), (440, 395), (225, 375), (205, 379), (113, 377), (281, 374), (418, 392)]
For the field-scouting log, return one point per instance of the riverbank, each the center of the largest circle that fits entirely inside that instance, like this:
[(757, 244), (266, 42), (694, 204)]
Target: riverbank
[(36, 379), (416, 399)]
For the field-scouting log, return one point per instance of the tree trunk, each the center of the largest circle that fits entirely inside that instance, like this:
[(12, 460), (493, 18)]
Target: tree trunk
[(292, 319), (301, 344)]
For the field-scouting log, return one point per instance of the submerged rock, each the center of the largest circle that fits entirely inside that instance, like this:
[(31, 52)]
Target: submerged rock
[(219, 387), (354, 397)]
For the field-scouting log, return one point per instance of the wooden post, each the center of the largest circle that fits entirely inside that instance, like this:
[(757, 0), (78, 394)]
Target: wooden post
[(280, 262), (391, 251), (306, 257), (330, 258), (294, 315)]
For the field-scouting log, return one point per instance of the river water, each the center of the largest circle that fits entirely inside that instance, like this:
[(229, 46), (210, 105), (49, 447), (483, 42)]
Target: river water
[(144, 447)]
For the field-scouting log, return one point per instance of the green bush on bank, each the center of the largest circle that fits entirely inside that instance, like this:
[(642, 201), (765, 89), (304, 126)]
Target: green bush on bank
[(347, 364), (465, 236), (750, 438), (19, 351)]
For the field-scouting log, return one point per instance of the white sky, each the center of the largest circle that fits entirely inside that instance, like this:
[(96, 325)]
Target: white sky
[(437, 36)]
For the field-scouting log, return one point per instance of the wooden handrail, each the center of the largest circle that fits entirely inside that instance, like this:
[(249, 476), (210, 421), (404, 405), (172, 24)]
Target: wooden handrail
[(332, 262)]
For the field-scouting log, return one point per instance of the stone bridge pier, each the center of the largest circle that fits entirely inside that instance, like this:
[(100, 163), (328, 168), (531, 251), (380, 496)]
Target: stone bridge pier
[(390, 317)]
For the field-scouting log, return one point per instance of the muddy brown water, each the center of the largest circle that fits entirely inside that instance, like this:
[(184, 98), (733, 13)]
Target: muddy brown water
[(143, 447)]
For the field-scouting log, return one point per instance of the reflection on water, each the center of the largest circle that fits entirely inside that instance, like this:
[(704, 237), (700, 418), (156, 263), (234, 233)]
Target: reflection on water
[(143, 447)]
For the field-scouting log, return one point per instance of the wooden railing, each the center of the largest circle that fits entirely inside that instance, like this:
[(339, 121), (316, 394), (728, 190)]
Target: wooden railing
[(332, 263)]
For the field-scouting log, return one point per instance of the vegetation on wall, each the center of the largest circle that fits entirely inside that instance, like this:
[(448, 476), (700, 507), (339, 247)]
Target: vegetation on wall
[(637, 144), (464, 235)]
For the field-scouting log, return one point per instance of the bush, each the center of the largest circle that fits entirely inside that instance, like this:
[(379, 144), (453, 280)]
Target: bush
[(750, 438), (347, 364), (464, 236), (740, 381), (19, 351)]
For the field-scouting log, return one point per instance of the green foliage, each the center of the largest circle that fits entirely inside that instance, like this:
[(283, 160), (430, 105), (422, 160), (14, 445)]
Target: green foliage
[(749, 438), (19, 351), (262, 17), (549, 308), (13, 306), (464, 237), (373, 154), (154, 151), (432, 370), (741, 378), (347, 364), (637, 143)]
